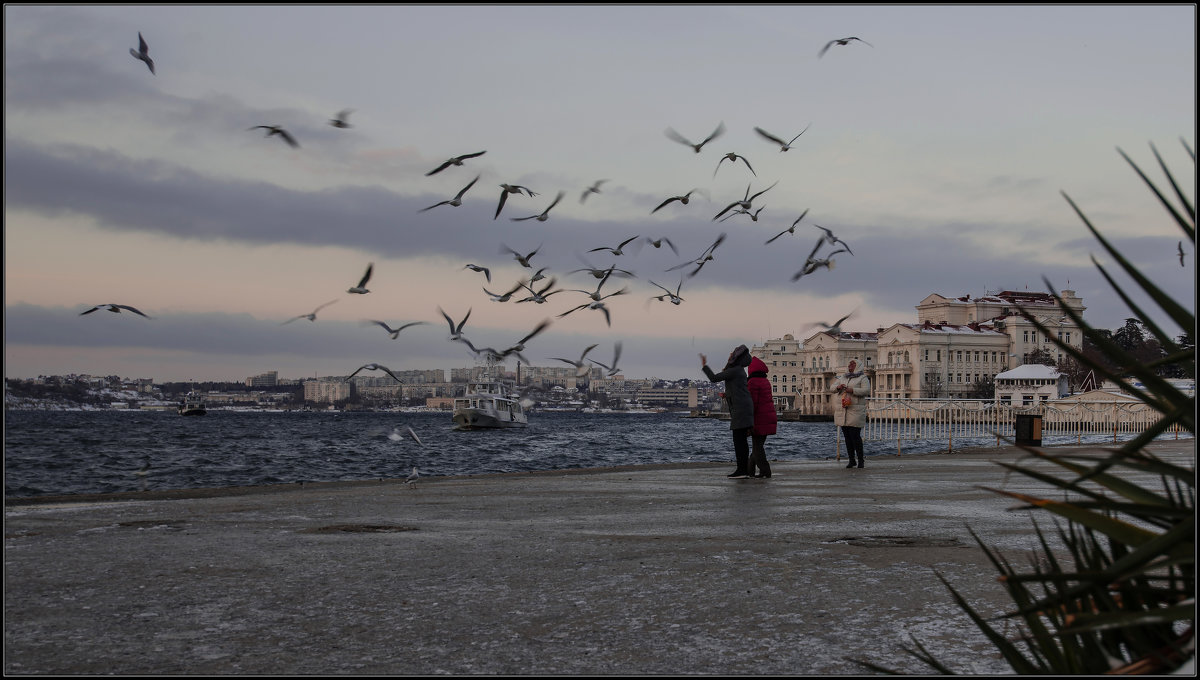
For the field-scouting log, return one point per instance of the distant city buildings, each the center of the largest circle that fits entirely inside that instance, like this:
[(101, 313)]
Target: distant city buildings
[(958, 346)]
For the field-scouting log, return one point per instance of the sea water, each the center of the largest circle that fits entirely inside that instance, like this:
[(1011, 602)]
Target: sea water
[(73, 452)]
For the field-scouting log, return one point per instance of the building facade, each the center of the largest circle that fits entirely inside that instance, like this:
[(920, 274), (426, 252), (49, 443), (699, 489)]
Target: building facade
[(1031, 384)]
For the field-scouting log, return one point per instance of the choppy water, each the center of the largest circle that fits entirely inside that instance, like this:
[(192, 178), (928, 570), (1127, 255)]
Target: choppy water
[(65, 452)]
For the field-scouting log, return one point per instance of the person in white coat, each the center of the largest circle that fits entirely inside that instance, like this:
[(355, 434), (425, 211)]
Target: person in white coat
[(850, 410)]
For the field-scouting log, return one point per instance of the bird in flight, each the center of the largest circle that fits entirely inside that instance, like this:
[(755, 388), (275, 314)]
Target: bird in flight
[(455, 331), (704, 258), (595, 294), (612, 370), (841, 41), (835, 327), (676, 137), (731, 156), (783, 146), (545, 215), (506, 296), (675, 299), (789, 230), (522, 259), (618, 250), (657, 243), (361, 288), (311, 316), (487, 274), (739, 211), (394, 332), (373, 367), (114, 308), (580, 367), (457, 200), (831, 239), (682, 199), (339, 121), (594, 189), (283, 134), (457, 160), (517, 348), (510, 189), (1181, 253), (746, 201), (813, 263), (539, 296), (592, 305), (143, 53)]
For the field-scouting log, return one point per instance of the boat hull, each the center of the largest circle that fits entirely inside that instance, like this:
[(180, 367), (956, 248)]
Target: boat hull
[(472, 419)]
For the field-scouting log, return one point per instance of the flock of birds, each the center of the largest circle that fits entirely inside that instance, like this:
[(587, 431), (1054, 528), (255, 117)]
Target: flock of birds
[(596, 299)]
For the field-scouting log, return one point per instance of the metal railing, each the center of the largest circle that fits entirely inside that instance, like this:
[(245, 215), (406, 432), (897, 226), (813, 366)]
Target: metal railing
[(980, 422)]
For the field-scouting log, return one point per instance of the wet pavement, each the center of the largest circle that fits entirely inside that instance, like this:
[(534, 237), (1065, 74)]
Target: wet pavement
[(638, 570)]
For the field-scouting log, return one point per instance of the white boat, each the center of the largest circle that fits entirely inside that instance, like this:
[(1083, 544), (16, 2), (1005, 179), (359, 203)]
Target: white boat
[(192, 405), (488, 404)]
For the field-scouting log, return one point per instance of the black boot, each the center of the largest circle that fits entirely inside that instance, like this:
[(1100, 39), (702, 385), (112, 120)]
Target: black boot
[(851, 462)]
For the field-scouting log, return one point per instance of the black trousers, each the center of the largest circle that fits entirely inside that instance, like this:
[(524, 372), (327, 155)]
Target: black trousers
[(741, 449), (854, 442), (758, 455)]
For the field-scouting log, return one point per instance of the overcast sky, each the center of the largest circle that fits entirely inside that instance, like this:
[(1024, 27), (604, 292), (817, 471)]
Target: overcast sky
[(938, 147)]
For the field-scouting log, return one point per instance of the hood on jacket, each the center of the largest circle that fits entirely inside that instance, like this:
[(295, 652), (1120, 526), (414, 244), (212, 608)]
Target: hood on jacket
[(740, 358), (757, 366)]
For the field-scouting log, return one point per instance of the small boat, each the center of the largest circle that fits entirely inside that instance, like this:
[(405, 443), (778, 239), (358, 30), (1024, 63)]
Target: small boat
[(488, 404), (192, 405)]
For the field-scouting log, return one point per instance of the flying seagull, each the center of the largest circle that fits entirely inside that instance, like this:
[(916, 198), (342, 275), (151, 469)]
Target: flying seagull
[(746, 201), (339, 121), (1181, 253), (520, 344), (841, 41), (373, 367), (618, 250), (731, 156), (457, 160), (361, 288), (510, 189), (278, 130), (506, 296), (580, 367), (545, 215), (523, 259), (657, 243), (705, 257), (476, 268), (739, 211), (675, 136), (592, 305), (143, 53), (612, 370), (457, 200), (789, 230), (814, 263), (311, 316), (394, 332), (540, 296), (783, 146), (833, 240), (835, 327), (682, 199), (455, 331), (594, 189), (114, 308), (675, 299)]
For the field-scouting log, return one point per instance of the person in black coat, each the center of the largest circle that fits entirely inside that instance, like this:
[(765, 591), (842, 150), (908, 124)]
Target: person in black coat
[(741, 407)]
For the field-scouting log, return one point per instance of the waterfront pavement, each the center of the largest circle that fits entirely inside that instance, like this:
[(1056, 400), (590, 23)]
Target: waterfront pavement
[(637, 570)]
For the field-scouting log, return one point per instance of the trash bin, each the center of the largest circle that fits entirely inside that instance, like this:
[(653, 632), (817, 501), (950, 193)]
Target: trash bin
[(1028, 429)]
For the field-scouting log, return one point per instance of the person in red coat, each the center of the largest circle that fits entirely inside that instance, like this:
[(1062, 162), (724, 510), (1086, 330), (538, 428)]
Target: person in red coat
[(764, 417)]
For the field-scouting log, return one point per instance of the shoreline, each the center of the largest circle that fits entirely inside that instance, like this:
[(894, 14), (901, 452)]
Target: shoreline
[(1005, 451)]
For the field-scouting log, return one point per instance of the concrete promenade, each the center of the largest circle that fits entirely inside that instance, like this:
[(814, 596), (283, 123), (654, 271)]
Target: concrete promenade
[(639, 570)]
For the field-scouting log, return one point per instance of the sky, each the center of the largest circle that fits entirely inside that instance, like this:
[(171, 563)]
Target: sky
[(939, 147)]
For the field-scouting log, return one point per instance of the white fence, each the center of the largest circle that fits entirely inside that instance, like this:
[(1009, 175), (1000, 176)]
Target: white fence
[(980, 422)]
